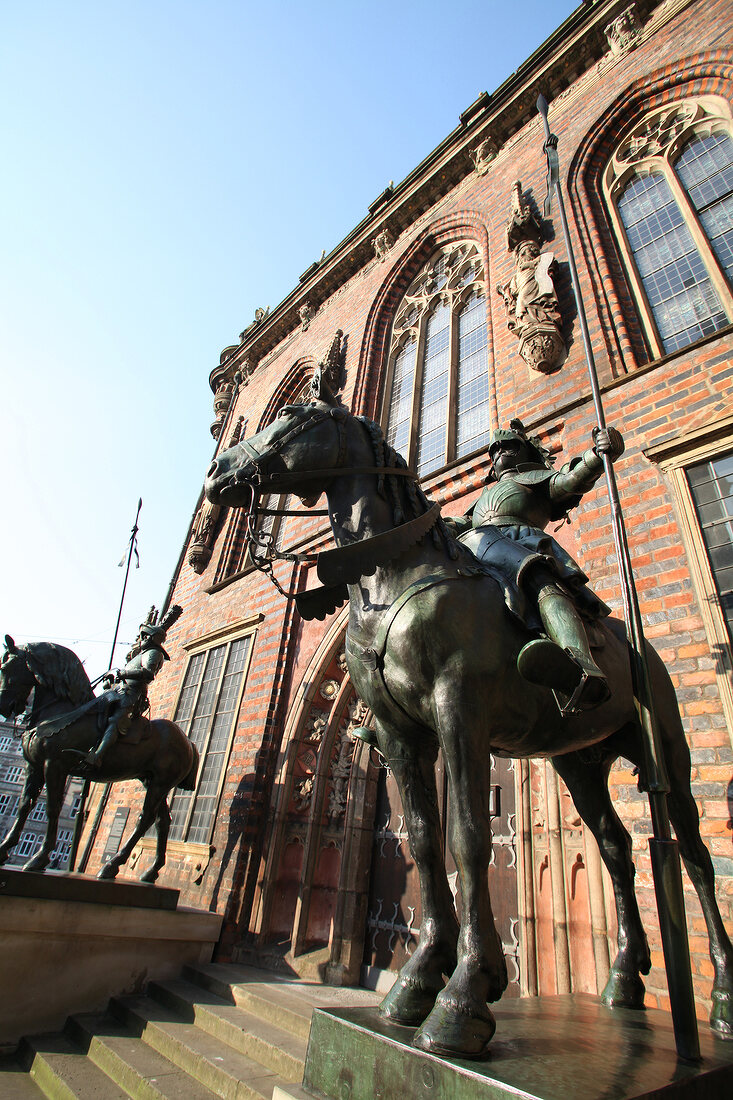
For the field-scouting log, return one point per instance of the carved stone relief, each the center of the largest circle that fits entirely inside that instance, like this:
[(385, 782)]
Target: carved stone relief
[(622, 33), (306, 314), (483, 155), (533, 311), (381, 244), (222, 398), (204, 536)]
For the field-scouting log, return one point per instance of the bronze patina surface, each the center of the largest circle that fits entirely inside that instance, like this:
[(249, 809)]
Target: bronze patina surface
[(546, 1048), (433, 648), (70, 731)]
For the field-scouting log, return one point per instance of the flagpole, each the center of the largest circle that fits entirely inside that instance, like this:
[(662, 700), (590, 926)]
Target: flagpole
[(664, 850), (79, 823)]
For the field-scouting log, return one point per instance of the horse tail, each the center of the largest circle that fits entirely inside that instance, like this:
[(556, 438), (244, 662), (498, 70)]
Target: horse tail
[(188, 783)]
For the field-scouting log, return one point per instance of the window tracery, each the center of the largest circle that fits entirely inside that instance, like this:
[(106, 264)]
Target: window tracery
[(437, 392), (670, 191)]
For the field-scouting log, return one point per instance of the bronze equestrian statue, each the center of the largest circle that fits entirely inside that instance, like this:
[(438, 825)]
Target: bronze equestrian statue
[(506, 527), (432, 647), (127, 694), (63, 728)]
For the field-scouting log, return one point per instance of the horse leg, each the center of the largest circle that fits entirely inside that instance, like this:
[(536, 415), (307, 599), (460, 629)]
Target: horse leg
[(153, 795), (421, 978), (461, 1023), (162, 824), (588, 786), (55, 775), (29, 796), (699, 866)]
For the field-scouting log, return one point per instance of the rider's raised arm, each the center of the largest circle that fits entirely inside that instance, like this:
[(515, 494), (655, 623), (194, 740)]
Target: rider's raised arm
[(582, 473)]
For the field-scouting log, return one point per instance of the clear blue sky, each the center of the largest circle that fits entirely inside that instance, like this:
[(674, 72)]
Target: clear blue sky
[(168, 168)]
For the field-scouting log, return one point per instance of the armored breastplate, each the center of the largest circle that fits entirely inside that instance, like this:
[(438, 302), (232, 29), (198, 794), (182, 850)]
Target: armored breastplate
[(509, 502)]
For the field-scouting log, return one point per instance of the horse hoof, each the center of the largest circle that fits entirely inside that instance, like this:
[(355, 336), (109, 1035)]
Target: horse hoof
[(623, 991), (407, 1004), (149, 878), (721, 1016), (108, 871), (36, 864), (456, 1034)]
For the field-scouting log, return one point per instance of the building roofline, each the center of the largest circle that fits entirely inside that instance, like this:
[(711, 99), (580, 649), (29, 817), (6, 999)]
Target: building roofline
[(574, 47)]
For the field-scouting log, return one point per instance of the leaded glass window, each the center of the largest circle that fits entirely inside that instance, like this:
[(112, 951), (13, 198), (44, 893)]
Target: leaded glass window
[(711, 486), (437, 396), (671, 186), (206, 712)]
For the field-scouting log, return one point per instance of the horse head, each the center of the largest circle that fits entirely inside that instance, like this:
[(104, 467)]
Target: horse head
[(300, 452), (54, 671), (16, 679)]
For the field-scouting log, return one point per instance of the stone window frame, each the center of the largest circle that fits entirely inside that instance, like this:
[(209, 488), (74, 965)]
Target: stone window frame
[(674, 457), (28, 844), (227, 636), (420, 298), (677, 121)]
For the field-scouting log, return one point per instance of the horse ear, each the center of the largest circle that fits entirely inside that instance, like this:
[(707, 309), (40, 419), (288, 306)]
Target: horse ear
[(10, 644)]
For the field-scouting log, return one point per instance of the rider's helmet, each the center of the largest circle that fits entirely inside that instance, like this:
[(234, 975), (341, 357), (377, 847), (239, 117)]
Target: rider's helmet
[(534, 454)]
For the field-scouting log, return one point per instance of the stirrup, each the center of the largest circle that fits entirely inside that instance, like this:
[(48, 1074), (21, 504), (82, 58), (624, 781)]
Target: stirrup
[(590, 676)]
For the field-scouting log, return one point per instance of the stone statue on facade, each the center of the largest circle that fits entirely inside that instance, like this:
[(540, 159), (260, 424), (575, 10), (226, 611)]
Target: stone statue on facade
[(533, 310)]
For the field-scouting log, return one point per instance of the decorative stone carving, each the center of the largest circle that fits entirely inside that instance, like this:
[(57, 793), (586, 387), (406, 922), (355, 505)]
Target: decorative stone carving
[(483, 155), (533, 311), (381, 244), (655, 135), (205, 528), (329, 689), (237, 431), (622, 33), (327, 377), (340, 773), (306, 314), (261, 314), (303, 793), (315, 728), (222, 398)]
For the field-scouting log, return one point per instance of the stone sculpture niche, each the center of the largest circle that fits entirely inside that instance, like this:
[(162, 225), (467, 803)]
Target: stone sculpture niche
[(533, 310)]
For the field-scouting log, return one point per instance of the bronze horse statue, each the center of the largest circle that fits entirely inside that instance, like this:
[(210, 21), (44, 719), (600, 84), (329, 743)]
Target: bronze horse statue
[(156, 752), (433, 651)]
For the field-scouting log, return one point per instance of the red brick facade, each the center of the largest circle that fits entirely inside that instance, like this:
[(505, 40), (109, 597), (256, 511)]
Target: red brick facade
[(668, 408)]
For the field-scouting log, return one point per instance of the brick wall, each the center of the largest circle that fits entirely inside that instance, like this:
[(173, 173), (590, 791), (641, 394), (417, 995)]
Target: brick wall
[(647, 400)]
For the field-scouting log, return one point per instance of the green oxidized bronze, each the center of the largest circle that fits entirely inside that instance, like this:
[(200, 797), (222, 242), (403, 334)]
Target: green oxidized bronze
[(432, 644), (66, 724)]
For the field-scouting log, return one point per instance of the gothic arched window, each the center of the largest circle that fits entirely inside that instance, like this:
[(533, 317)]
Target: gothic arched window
[(437, 392), (670, 186)]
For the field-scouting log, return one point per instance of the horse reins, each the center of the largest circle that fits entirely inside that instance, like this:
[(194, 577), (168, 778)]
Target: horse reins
[(265, 480)]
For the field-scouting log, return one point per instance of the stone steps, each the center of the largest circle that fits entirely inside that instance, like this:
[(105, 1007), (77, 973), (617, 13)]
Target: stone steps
[(219, 1031)]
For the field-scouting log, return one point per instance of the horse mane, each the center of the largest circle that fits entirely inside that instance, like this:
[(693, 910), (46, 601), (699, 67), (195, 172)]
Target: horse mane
[(59, 670), (417, 502)]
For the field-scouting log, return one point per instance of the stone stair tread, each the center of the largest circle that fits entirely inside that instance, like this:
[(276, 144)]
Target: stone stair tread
[(256, 1037), (263, 998), (267, 983), (60, 1070), (15, 1081), (125, 1058), (226, 1071)]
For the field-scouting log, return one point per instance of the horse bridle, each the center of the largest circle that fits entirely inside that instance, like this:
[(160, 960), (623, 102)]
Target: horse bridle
[(265, 481)]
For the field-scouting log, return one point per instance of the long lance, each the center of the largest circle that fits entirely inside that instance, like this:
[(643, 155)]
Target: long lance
[(663, 849), (79, 823)]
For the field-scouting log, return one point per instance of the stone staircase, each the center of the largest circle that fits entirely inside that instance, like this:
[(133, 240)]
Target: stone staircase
[(218, 1031)]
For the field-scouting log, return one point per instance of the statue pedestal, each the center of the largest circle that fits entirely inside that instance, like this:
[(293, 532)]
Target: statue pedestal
[(545, 1048), (70, 942)]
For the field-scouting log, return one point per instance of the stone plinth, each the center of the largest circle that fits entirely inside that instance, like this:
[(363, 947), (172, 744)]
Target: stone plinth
[(545, 1048), (68, 943)]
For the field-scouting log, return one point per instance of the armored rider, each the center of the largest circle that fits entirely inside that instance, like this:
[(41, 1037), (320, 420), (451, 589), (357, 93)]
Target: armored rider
[(127, 697), (506, 528)]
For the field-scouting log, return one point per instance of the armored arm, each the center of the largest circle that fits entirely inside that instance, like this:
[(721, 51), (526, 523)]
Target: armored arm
[(581, 474)]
